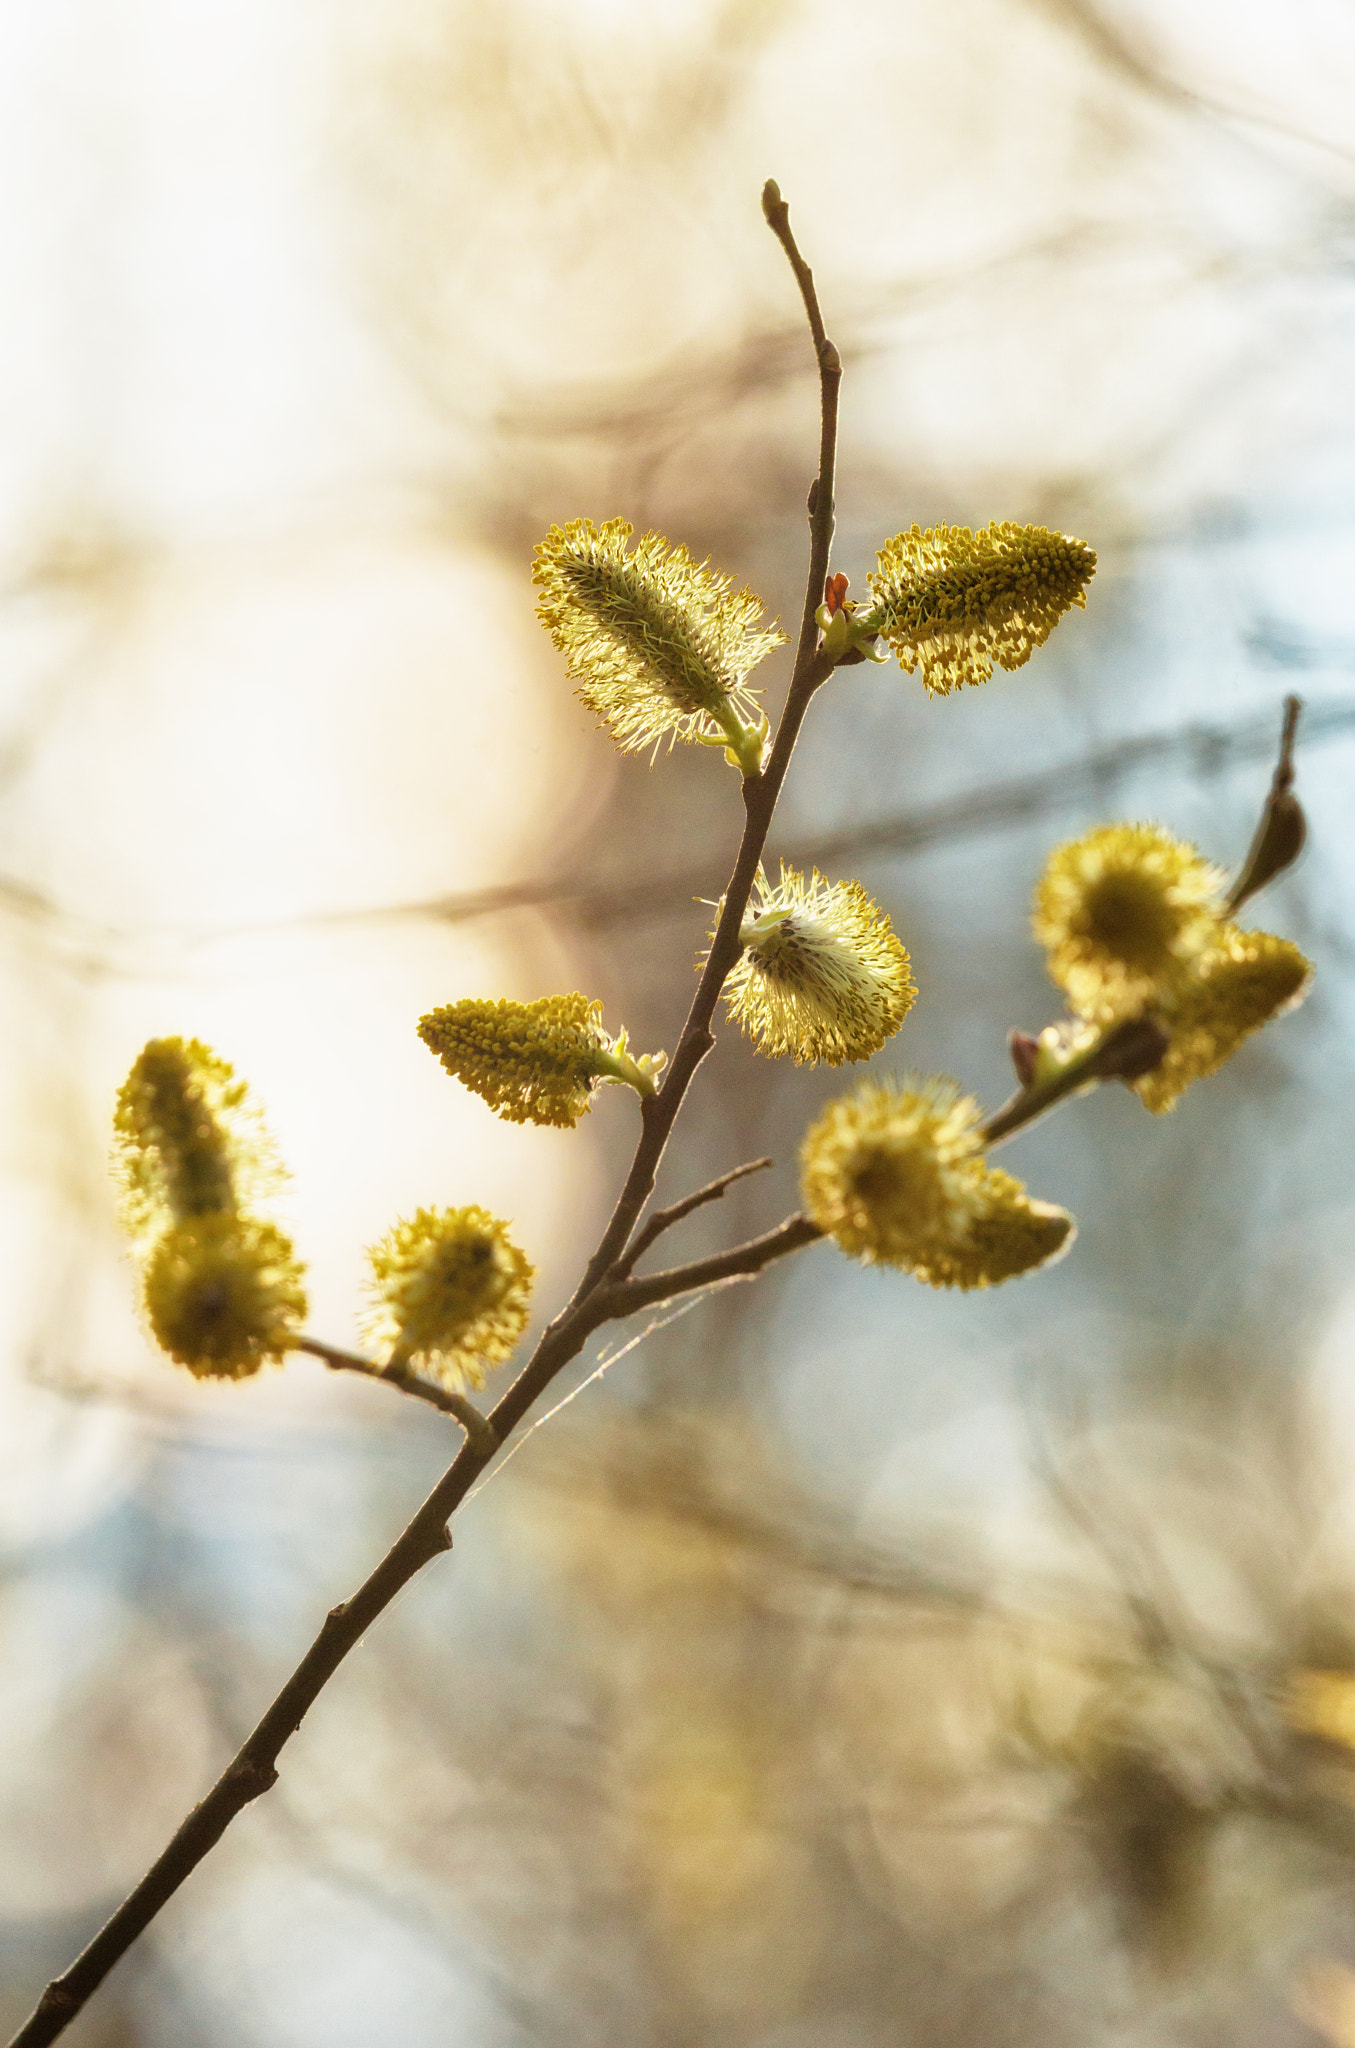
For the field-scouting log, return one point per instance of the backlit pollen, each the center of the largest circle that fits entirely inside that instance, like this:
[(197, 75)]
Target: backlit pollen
[(956, 603), (223, 1295), (449, 1293), (660, 646), (221, 1286), (1242, 982), (538, 1062), (822, 976)]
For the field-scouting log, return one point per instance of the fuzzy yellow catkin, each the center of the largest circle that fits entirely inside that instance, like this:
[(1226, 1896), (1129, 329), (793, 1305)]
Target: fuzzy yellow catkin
[(223, 1295), (220, 1287), (954, 602), (1123, 913), (659, 645), (538, 1062), (187, 1141), (895, 1174), (1009, 1234), (822, 976), (449, 1294), (1240, 984)]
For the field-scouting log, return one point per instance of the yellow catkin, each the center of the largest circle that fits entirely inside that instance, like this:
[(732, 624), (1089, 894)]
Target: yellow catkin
[(822, 976), (1123, 914), (223, 1295), (955, 603), (1009, 1234), (187, 1141), (896, 1176), (659, 645), (449, 1294), (537, 1062), (891, 1172), (1238, 985)]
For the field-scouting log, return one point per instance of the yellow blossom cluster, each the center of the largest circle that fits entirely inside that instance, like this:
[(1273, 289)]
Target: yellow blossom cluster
[(221, 1285), (1134, 920), (449, 1294), (538, 1062), (896, 1175), (1244, 980), (822, 976), (955, 603), (660, 645)]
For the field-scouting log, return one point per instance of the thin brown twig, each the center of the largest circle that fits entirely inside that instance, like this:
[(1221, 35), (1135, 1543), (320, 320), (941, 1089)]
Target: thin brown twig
[(664, 1219), (447, 1399), (254, 1769), (1133, 1047), (744, 1261)]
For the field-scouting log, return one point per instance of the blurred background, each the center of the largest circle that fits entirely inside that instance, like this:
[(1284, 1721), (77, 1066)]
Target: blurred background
[(851, 1665)]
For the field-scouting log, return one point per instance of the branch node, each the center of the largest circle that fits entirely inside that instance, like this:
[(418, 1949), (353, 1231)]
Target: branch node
[(254, 1779), (1024, 1051), (481, 1434)]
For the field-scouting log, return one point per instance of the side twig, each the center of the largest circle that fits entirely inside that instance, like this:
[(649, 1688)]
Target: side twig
[(254, 1769), (743, 1262), (664, 1219), (447, 1399), (1122, 1053)]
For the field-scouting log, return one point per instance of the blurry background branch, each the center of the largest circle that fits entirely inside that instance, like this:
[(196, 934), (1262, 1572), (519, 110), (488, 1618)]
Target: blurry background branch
[(1094, 777)]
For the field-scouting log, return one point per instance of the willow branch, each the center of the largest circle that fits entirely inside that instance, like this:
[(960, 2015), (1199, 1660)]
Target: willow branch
[(447, 1399), (760, 793), (664, 1219), (254, 1769)]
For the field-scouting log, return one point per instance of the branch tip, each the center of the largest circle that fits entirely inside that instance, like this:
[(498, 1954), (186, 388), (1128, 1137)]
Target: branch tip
[(1282, 827)]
